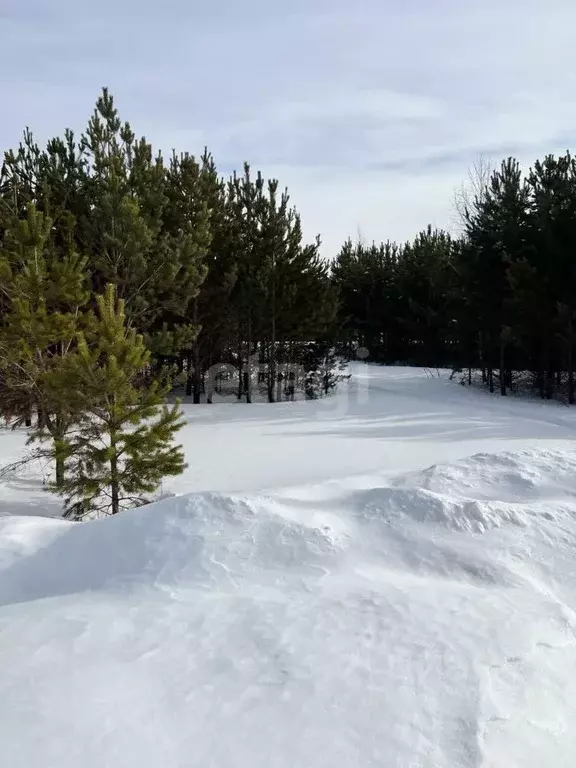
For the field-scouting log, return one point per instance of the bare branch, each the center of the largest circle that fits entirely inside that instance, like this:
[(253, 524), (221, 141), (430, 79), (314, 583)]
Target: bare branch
[(471, 191)]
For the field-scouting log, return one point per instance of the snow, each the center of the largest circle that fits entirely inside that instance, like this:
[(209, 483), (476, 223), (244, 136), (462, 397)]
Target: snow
[(387, 578)]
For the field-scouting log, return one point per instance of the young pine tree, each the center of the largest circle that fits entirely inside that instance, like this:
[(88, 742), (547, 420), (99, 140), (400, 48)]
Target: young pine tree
[(122, 447), (45, 294)]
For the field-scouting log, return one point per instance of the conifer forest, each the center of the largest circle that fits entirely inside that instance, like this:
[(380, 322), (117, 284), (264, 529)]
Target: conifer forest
[(129, 279)]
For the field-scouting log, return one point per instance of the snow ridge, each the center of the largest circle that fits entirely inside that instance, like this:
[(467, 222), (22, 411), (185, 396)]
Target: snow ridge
[(429, 621)]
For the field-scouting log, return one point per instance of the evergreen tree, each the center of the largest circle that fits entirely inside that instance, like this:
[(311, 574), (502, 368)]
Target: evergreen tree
[(499, 299), (45, 289), (546, 283), (122, 445), (246, 205), (497, 238), (147, 230), (213, 312), (424, 279)]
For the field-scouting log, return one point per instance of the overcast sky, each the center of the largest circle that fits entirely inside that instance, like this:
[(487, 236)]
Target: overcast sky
[(369, 111)]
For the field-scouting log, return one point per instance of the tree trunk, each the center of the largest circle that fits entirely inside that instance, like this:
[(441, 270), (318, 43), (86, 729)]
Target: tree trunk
[(114, 481), (272, 345), (240, 369), (271, 376), (197, 385), (60, 470), (481, 358), (326, 379), (548, 378), (571, 398), (197, 372), (491, 379), (502, 368), (189, 377), (543, 370), (248, 371), (57, 428), (549, 385), (469, 377), (541, 382)]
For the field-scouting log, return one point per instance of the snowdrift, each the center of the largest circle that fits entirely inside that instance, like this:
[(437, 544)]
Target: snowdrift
[(428, 622)]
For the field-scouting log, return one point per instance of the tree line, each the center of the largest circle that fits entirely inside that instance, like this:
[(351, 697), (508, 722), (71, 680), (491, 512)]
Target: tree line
[(498, 300), (127, 277), (125, 274)]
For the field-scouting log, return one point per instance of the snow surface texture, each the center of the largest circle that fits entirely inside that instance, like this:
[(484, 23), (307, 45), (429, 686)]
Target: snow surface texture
[(389, 581)]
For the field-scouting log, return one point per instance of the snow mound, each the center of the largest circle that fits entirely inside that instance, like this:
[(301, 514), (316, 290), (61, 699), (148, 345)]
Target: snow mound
[(205, 541), (428, 622), (515, 477), (418, 505), (23, 536)]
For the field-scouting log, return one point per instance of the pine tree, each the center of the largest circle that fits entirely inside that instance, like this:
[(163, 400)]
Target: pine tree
[(550, 271), (367, 280), (122, 446), (45, 290), (246, 196), (212, 311), (497, 238), (210, 272), (499, 299), (147, 229), (187, 224), (424, 285)]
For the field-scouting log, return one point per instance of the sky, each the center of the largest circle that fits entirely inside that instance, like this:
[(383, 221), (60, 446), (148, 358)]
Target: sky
[(370, 112)]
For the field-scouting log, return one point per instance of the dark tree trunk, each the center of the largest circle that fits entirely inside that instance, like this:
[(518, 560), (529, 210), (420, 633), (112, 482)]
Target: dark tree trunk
[(571, 398), (543, 375), (60, 470), (502, 368), (240, 381), (197, 385), (114, 480), (570, 364), (549, 385), (541, 383), (240, 369), (548, 376), (189, 376), (481, 357), (326, 379), (271, 374), (248, 371)]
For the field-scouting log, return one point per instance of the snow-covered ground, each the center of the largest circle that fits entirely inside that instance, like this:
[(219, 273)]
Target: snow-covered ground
[(386, 578)]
